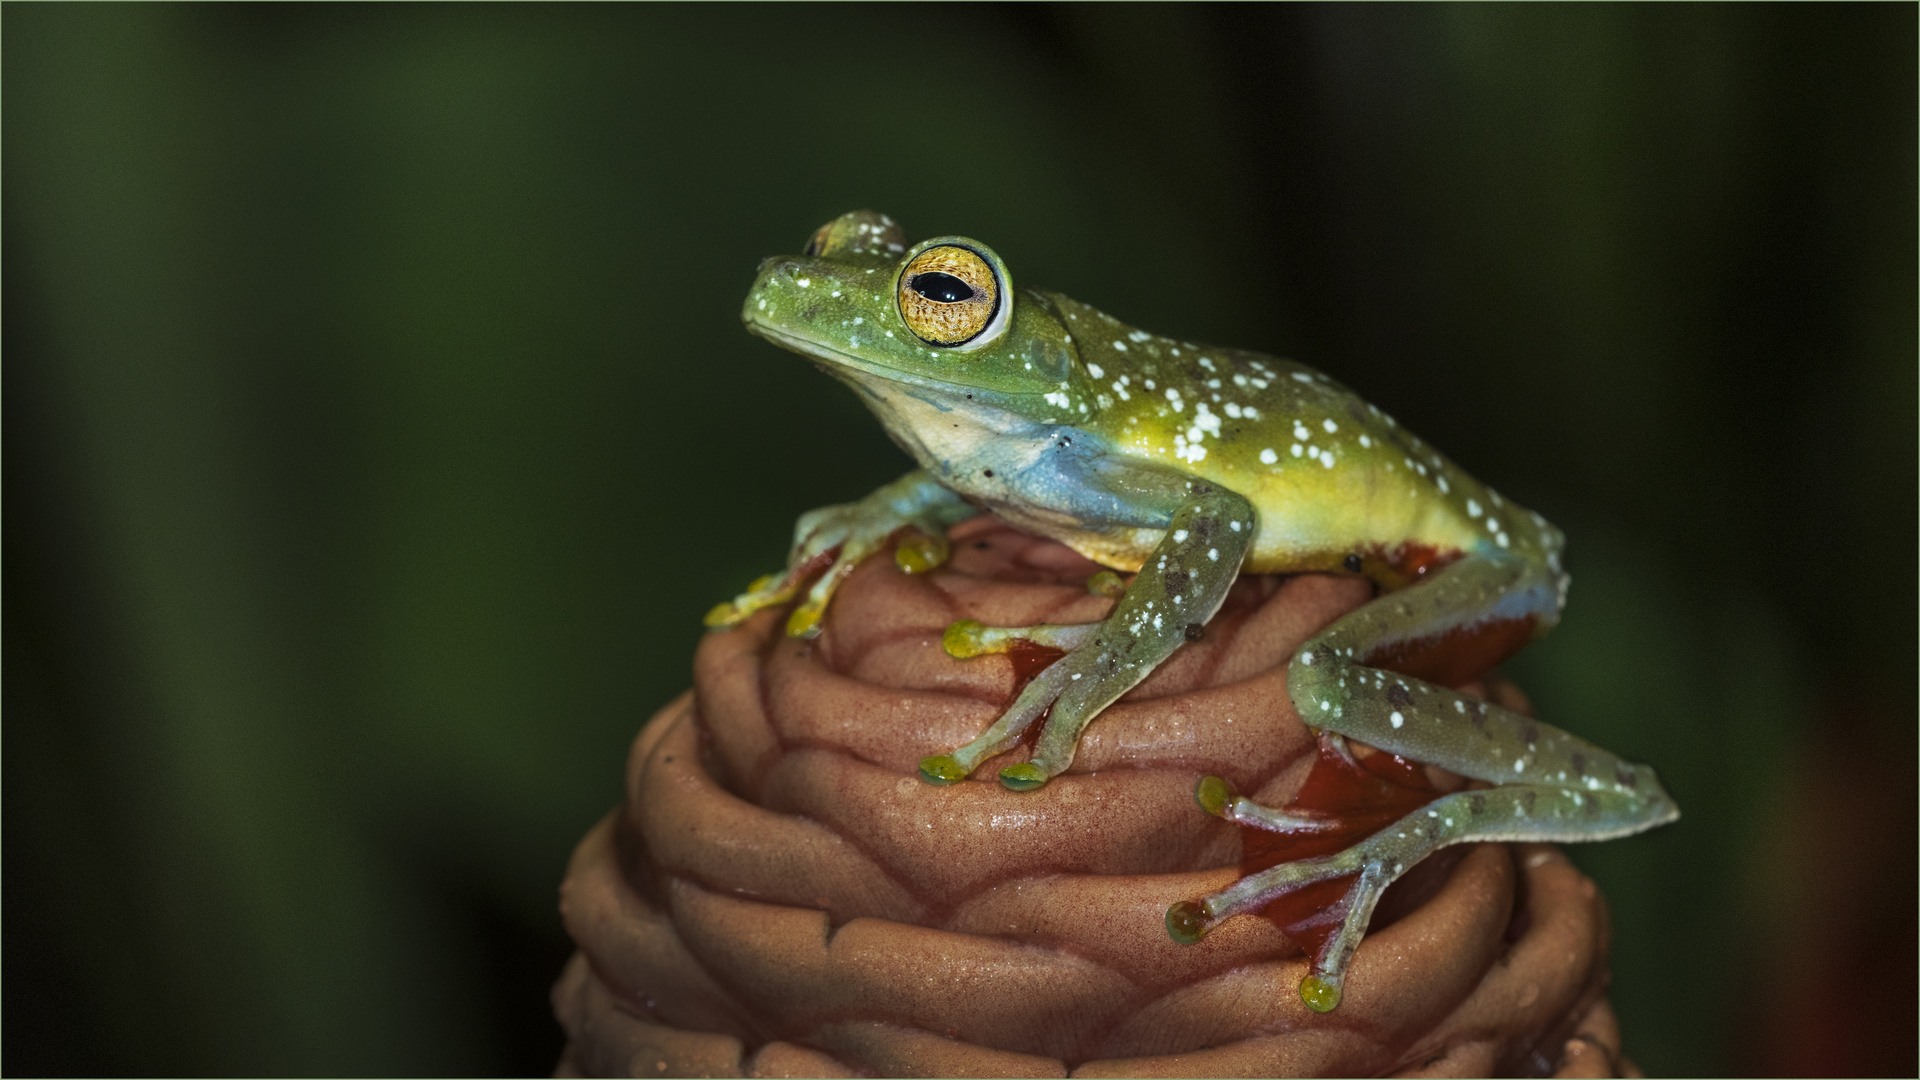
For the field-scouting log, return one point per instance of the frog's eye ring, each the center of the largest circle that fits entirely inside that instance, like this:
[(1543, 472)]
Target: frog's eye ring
[(950, 297)]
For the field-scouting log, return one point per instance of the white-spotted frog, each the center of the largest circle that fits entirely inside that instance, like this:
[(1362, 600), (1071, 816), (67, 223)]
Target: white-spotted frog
[(1184, 465)]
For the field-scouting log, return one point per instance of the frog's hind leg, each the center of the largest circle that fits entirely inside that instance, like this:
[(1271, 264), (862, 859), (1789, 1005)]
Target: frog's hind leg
[(1555, 787)]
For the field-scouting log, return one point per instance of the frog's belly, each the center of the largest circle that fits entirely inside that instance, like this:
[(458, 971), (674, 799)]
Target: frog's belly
[(1121, 547), (1127, 548)]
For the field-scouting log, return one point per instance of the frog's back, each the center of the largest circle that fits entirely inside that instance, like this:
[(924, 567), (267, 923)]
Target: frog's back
[(1330, 475)]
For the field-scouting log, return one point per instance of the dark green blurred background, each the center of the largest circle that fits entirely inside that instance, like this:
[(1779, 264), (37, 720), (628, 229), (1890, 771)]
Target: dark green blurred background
[(379, 425)]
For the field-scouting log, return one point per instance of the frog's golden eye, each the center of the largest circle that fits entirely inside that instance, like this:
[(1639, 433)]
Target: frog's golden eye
[(950, 297)]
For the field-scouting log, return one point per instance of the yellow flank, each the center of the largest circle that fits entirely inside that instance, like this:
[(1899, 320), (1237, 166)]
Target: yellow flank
[(1328, 474)]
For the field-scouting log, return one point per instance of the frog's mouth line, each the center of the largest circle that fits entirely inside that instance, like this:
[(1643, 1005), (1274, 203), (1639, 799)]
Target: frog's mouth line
[(828, 355)]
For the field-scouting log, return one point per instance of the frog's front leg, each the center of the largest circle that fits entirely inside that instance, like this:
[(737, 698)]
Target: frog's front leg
[(1181, 585), (1555, 787), (848, 533)]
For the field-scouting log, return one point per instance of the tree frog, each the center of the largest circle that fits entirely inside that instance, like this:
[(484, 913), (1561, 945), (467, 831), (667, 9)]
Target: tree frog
[(1184, 465)]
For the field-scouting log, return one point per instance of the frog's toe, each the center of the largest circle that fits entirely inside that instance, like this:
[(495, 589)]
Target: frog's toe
[(965, 639), (920, 552), (1214, 795), (767, 590), (1107, 583), (1025, 776), (1188, 922), (968, 638), (1321, 993), (941, 770), (1218, 798), (804, 622)]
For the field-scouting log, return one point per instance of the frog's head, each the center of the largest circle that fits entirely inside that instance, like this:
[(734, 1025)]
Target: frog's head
[(942, 315)]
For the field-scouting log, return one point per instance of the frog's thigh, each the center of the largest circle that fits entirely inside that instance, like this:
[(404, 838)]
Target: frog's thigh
[(1333, 688)]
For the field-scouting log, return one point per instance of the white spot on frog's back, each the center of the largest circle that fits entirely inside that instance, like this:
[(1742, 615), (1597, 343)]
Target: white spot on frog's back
[(1121, 345), (1096, 371), (1268, 457)]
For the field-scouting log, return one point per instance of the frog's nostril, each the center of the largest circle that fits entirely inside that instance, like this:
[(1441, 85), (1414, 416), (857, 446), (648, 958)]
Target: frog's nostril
[(765, 263)]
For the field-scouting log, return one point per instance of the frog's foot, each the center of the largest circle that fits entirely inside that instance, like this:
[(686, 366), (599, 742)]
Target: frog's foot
[(1514, 812), (1554, 787), (839, 538), (1171, 600), (967, 638), (768, 590), (917, 553)]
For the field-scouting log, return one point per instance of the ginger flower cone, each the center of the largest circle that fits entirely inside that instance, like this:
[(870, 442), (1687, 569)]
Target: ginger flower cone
[(780, 894)]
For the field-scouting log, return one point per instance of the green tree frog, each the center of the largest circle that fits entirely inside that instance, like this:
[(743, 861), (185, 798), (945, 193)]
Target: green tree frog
[(1186, 464)]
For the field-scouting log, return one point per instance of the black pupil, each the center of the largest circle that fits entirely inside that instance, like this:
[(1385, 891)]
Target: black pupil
[(941, 288)]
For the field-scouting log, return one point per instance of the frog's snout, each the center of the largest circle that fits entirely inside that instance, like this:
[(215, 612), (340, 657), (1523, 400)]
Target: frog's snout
[(778, 274), (773, 278)]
